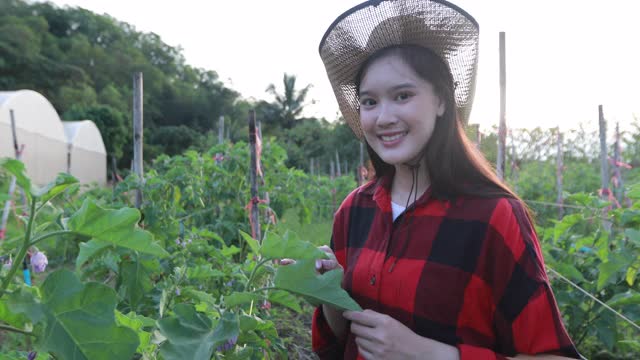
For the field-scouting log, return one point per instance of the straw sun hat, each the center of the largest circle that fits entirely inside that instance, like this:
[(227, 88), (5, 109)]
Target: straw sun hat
[(444, 28)]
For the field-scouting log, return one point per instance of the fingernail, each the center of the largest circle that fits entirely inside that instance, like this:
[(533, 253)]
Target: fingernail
[(318, 264)]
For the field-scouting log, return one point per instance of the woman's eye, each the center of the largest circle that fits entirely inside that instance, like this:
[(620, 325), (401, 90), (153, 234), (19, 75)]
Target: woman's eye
[(403, 96), (367, 102)]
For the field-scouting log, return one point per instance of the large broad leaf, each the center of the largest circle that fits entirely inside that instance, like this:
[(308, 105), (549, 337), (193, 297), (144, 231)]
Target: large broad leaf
[(16, 168), (118, 227), (633, 235), (134, 280), (90, 249), (20, 305), (286, 299), (80, 320), (192, 335), (55, 188), (302, 279), (289, 246)]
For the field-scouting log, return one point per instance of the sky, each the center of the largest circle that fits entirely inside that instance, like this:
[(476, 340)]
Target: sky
[(563, 57)]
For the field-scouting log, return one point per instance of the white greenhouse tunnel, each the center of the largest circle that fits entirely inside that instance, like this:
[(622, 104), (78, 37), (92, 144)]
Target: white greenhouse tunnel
[(50, 143)]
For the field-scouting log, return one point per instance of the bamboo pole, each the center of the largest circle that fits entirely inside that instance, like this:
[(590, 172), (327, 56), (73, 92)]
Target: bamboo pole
[(138, 128), (559, 169), (253, 170), (502, 132)]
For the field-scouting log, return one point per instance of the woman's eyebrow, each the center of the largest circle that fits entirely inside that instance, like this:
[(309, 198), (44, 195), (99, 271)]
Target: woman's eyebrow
[(393, 88)]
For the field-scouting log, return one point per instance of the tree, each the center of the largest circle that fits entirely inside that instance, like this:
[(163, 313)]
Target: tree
[(291, 102)]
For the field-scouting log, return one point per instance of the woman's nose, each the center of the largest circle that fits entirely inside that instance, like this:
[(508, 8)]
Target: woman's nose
[(386, 116)]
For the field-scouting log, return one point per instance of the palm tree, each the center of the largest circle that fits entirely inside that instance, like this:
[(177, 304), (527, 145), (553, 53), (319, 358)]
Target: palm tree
[(291, 103)]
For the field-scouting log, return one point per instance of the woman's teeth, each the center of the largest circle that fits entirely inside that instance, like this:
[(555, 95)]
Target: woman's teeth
[(392, 137)]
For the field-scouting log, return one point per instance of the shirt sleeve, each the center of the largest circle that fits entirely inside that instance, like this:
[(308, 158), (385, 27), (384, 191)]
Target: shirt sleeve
[(526, 318), (324, 342)]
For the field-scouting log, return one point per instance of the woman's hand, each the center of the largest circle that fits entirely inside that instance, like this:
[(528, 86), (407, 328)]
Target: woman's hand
[(380, 336), (324, 265)]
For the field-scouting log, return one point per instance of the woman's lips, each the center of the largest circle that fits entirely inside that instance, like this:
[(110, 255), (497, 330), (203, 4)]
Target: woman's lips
[(392, 139)]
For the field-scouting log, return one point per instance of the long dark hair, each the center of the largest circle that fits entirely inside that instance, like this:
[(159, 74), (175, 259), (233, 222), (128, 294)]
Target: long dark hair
[(454, 164)]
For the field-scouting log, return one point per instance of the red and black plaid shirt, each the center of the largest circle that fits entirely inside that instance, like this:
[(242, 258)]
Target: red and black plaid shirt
[(467, 272)]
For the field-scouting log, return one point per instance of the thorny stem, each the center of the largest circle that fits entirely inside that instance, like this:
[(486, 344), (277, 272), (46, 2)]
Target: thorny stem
[(253, 272), (15, 330), (22, 253)]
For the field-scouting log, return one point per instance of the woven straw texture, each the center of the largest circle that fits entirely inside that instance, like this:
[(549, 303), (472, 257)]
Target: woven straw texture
[(435, 24)]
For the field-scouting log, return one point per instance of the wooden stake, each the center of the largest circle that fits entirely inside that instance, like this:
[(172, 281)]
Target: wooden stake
[(604, 168), (138, 139), (559, 170), (253, 170), (221, 130), (332, 171), (502, 132), (338, 172), (616, 166), (12, 184)]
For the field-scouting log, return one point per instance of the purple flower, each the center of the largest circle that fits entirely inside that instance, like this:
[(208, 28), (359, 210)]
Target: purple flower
[(228, 345), (177, 241), (39, 262), (32, 355), (178, 291)]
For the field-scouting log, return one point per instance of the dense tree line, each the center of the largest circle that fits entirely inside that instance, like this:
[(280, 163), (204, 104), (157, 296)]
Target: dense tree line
[(83, 63)]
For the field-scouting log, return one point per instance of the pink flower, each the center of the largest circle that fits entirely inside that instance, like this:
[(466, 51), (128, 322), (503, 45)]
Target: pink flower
[(39, 262)]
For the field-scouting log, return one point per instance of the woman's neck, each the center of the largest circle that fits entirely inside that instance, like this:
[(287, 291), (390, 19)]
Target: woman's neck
[(403, 181)]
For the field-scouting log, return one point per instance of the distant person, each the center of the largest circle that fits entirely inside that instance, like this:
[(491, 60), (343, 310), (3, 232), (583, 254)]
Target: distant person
[(439, 252)]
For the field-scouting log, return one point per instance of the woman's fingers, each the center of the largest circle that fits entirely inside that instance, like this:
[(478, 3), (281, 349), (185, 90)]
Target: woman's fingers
[(287, 261)]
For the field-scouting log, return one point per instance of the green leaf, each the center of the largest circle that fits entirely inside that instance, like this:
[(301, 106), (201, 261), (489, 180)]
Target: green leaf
[(134, 280), (632, 272), (228, 251), (135, 323), (4, 198), (80, 320), (16, 168), (569, 271), (286, 299), (253, 244), (633, 235), (302, 279), (26, 301), (192, 335), (118, 227), (629, 297), (239, 298), (202, 272), (608, 272), (290, 247), (90, 249), (55, 188)]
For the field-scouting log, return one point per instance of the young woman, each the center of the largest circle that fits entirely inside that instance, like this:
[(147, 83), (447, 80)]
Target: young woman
[(442, 256)]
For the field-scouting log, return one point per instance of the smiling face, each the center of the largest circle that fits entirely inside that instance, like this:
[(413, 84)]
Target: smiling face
[(398, 110)]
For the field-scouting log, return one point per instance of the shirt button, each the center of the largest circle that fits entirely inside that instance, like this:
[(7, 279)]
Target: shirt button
[(373, 280)]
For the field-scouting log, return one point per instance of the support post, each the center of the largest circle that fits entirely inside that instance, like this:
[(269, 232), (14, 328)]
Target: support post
[(221, 129), (616, 163), (502, 132), (138, 139), (253, 171), (559, 170)]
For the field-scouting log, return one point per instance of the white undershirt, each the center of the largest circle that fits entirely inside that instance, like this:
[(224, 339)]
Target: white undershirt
[(396, 210)]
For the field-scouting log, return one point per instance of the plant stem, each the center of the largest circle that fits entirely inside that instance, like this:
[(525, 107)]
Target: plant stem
[(253, 272), (22, 253), (15, 330), (51, 234), (265, 288)]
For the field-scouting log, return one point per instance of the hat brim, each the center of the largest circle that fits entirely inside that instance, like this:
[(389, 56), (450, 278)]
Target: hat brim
[(438, 25)]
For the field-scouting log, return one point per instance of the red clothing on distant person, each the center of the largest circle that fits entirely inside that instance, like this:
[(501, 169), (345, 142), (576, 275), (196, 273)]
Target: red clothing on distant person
[(467, 272)]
